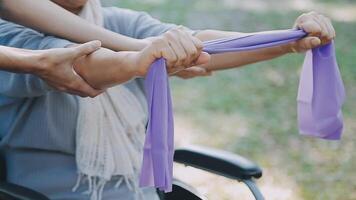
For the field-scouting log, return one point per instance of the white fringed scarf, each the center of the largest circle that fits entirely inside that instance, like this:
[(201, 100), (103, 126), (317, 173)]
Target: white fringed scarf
[(110, 132)]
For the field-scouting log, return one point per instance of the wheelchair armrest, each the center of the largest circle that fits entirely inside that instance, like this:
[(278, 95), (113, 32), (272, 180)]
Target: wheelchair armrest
[(10, 191), (218, 162)]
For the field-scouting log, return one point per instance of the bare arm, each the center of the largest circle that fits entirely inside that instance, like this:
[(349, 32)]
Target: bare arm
[(51, 65), (46, 16), (236, 59), (105, 68), (315, 24), (320, 31), (17, 10), (19, 60)]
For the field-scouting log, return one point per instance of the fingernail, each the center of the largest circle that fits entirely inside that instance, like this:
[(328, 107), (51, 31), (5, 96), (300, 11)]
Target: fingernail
[(315, 41)]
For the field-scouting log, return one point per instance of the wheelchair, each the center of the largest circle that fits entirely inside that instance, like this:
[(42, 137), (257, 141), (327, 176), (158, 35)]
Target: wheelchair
[(215, 161)]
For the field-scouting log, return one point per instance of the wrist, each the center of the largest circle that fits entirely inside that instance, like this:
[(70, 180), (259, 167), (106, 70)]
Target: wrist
[(141, 44), (132, 44), (129, 62), (132, 62), (39, 63)]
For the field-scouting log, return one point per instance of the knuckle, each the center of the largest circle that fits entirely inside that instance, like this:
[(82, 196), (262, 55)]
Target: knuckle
[(180, 27), (199, 45), (304, 15), (181, 32), (159, 41), (192, 53), (174, 31), (170, 65), (317, 28), (173, 60), (302, 18), (169, 58), (313, 12), (168, 35), (182, 57)]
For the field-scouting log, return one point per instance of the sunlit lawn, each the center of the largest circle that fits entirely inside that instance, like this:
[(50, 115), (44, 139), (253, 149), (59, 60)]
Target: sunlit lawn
[(252, 111)]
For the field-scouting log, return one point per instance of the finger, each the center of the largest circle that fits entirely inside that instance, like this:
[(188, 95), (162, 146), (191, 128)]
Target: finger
[(175, 69), (330, 27), (64, 88), (203, 58), (193, 72), (170, 56), (199, 45), (198, 71), (327, 27), (190, 49), (323, 29), (311, 27), (82, 87), (179, 51), (86, 48), (309, 43), (197, 42)]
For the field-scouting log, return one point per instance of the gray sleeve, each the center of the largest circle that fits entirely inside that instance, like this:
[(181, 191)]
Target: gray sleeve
[(133, 23), (24, 85)]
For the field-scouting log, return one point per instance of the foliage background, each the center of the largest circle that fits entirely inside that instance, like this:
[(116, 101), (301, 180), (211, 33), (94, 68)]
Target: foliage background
[(252, 111)]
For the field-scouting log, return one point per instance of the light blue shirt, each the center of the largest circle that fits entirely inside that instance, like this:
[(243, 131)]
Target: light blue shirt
[(38, 124)]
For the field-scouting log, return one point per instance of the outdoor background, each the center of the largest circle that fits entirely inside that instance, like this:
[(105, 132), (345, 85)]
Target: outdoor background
[(252, 111)]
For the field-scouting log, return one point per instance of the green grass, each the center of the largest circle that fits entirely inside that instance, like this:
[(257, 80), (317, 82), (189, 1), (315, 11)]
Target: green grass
[(261, 98)]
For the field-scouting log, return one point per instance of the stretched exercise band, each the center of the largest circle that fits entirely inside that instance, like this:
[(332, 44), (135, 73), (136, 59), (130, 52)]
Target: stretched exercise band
[(320, 97)]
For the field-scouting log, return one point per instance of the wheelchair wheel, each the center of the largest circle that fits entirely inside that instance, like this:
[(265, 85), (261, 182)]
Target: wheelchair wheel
[(181, 191)]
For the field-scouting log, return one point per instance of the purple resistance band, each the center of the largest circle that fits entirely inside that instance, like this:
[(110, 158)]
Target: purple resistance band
[(320, 98)]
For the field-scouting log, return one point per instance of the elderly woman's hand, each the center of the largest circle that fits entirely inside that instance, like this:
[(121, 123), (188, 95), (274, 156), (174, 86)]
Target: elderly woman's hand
[(180, 49), (55, 66), (319, 28)]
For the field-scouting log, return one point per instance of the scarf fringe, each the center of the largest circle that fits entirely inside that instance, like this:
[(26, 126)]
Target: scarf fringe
[(97, 184), (110, 133)]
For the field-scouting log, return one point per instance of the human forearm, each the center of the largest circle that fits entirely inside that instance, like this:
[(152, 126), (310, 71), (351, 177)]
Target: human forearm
[(105, 68), (69, 26), (19, 60), (236, 59), (319, 28)]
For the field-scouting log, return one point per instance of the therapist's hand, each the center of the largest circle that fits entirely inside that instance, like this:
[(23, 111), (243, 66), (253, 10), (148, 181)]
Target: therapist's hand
[(55, 66), (319, 28)]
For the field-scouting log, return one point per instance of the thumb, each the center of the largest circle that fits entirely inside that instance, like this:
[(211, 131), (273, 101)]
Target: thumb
[(309, 42), (198, 71), (203, 58), (86, 48)]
